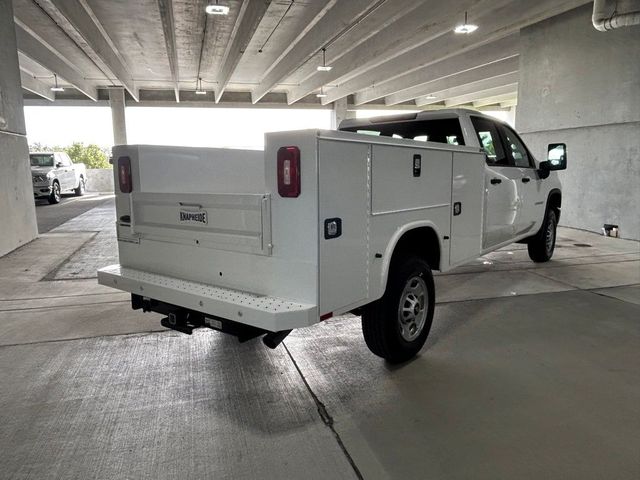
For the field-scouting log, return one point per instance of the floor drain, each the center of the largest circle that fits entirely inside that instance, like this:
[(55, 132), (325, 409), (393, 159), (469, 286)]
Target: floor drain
[(581, 245)]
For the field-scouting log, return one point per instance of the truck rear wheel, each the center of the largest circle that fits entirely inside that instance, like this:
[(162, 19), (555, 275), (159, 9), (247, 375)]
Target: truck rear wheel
[(396, 326), (541, 246)]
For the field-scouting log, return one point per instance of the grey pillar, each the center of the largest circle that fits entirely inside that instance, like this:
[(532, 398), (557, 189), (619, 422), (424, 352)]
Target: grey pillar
[(17, 212), (116, 101), (340, 112)]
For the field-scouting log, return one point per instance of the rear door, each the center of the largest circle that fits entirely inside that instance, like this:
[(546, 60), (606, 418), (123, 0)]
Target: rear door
[(502, 199)]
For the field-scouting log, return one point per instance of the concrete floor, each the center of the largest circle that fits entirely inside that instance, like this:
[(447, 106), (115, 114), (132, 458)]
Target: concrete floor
[(50, 216), (530, 372)]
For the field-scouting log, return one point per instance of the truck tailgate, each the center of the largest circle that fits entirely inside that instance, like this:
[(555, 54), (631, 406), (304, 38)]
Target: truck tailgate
[(235, 222)]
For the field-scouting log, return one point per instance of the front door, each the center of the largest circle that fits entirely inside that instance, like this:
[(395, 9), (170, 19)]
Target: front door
[(502, 198), (531, 189)]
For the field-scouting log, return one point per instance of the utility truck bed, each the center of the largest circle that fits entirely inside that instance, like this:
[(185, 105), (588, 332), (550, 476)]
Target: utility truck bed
[(319, 224)]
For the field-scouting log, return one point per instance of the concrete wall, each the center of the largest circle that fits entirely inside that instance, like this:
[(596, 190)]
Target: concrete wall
[(99, 180), (17, 209), (582, 87)]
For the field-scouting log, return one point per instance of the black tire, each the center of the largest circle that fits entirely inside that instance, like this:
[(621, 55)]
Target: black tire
[(54, 196), (541, 246), (79, 191), (387, 334)]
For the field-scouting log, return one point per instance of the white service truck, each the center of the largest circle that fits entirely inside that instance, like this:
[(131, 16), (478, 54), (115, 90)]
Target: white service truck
[(327, 222)]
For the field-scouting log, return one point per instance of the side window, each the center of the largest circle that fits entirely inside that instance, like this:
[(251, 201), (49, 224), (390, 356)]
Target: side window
[(515, 149), (63, 158), (489, 139)]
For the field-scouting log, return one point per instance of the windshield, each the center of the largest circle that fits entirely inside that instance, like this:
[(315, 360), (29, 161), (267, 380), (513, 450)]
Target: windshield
[(41, 160)]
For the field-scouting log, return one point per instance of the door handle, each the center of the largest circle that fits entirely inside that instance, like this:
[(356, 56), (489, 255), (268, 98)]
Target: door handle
[(495, 181), (526, 180)]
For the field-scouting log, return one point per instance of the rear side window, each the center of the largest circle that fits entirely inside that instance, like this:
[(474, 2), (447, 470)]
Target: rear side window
[(445, 130), (489, 139)]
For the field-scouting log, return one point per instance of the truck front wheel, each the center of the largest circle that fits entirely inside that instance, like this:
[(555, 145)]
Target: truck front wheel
[(541, 246), (396, 326), (54, 196), (79, 191)]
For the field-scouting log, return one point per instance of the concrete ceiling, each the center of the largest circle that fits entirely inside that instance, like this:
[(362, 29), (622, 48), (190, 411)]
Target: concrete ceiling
[(400, 53)]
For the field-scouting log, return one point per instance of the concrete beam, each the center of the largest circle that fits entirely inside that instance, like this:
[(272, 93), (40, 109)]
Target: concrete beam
[(509, 103), (494, 24), (495, 100), (44, 54), (470, 88), (338, 16), (32, 84), (169, 30), (504, 92), (492, 75), (77, 19), (392, 25), (118, 119), (402, 88), (249, 18)]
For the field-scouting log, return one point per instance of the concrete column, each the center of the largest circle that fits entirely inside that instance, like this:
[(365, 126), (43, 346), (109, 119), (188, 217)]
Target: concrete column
[(511, 116), (17, 209), (582, 87), (340, 113), (116, 101)]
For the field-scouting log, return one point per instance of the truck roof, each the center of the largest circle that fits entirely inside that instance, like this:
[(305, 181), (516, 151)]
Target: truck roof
[(409, 117)]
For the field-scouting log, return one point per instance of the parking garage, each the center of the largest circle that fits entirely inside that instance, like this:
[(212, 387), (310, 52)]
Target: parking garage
[(530, 370)]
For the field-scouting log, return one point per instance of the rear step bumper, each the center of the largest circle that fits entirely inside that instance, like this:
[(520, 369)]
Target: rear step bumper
[(268, 313)]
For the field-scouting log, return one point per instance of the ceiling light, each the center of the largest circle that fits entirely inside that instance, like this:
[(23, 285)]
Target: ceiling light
[(199, 89), (321, 94), (430, 97), (324, 67), (216, 9), (466, 27), (56, 87)]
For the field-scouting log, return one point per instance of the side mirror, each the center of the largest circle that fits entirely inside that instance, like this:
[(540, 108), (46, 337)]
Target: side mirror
[(556, 159), (58, 165)]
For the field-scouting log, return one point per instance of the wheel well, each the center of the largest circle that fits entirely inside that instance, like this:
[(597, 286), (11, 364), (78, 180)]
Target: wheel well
[(555, 202), (423, 242)]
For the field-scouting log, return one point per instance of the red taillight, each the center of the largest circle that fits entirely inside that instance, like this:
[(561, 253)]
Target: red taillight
[(124, 174), (289, 171)]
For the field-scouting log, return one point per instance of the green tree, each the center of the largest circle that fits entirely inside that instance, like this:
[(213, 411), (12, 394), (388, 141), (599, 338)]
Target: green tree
[(91, 155)]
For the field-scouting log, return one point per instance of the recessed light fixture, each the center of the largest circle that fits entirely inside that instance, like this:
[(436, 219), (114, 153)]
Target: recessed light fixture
[(216, 9), (430, 97), (321, 94), (466, 27), (199, 89), (324, 67), (56, 87)]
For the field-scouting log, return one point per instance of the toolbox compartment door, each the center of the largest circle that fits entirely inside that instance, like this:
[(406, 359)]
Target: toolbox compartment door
[(343, 224), (467, 204)]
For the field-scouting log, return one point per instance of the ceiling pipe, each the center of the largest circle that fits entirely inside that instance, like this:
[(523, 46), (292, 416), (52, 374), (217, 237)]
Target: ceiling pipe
[(605, 16)]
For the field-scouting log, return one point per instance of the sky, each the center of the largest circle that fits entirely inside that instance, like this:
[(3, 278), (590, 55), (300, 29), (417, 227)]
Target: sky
[(181, 126)]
